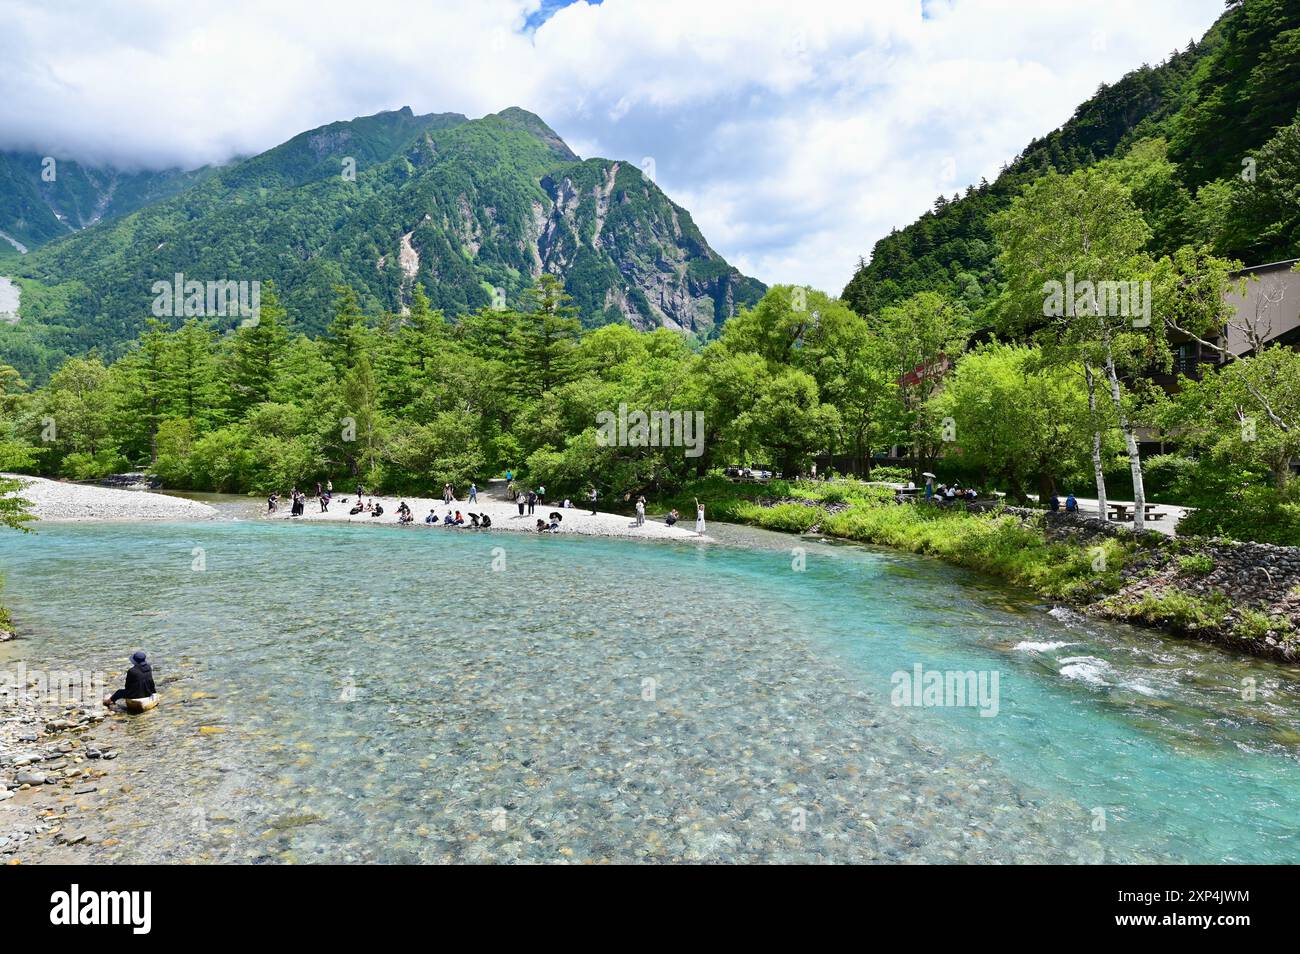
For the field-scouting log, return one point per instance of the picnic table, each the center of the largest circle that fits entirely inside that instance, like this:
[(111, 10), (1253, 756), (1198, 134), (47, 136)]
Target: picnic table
[(1121, 512)]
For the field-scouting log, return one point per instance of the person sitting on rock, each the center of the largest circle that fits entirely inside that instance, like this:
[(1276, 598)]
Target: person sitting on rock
[(1054, 504), (1071, 505), (139, 681)]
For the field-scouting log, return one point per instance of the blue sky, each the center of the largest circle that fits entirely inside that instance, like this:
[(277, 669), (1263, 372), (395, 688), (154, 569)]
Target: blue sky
[(796, 134)]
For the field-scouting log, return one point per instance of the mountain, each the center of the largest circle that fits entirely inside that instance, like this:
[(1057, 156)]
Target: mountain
[(461, 207), (1195, 121), (43, 198)]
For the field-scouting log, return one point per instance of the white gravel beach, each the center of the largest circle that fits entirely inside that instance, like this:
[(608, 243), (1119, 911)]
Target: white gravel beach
[(504, 514), (57, 501)]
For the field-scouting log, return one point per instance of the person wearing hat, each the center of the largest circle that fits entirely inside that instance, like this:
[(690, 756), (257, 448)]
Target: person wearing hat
[(139, 681)]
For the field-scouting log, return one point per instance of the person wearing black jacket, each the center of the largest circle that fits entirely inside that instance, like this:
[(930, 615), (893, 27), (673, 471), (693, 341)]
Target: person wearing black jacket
[(139, 681)]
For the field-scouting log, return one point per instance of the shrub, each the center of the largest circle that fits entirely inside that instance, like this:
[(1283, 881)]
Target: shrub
[(1177, 609), (1258, 514), (1197, 563)]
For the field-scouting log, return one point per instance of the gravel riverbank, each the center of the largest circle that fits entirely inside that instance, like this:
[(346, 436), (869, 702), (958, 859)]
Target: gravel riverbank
[(56, 500)]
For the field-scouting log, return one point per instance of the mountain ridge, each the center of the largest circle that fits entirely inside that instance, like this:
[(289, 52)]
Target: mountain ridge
[(463, 207)]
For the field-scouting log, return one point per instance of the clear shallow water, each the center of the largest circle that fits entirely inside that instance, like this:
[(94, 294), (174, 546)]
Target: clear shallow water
[(382, 694)]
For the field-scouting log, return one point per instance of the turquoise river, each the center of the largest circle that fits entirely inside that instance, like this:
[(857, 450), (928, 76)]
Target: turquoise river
[(382, 694)]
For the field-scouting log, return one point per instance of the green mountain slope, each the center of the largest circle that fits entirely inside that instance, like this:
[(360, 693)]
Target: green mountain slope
[(45, 198), (1226, 99), (462, 207)]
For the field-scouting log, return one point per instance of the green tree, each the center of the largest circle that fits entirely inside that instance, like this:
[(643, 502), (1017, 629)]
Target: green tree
[(919, 339), (1070, 247)]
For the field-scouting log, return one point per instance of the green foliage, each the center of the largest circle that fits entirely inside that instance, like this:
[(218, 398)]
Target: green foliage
[(1180, 132), (1258, 514), (1197, 563), (1176, 609)]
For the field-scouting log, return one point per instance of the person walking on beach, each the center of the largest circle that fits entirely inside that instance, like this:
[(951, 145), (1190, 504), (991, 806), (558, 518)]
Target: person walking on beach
[(139, 681), (592, 496), (519, 501), (532, 500), (640, 511), (699, 517), (473, 493)]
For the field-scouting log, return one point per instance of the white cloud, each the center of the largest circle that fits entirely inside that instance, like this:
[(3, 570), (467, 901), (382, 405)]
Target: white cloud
[(797, 134)]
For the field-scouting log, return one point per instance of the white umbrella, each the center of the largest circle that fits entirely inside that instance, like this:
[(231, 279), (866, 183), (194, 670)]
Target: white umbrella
[(927, 474)]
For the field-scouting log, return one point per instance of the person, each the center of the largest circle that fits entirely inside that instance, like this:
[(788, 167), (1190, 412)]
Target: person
[(329, 487), (541, 491), (446, 494), (473, 521), (361, 491), (568, 504), (139, 681), (448, 521), (432, 518), (640, 511), (541, 525), (519, 502), (699, 517), (509, 476), (325, 502), (554, 525), (532, 501), (459, 521), (359, 508), (672, 518), (593, 496), (378, 511), (473, 493), (297, 508), (1054, 504), (1071, 505), (403, 513), (929, 488), (485, 521), (272, 502)]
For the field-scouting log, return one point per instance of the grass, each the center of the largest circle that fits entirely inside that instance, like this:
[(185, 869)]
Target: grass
[(1177, 610), (996, 543)]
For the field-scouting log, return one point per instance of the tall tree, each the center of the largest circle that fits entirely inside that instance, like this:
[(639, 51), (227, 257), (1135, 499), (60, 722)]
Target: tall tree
[(1071, 254)]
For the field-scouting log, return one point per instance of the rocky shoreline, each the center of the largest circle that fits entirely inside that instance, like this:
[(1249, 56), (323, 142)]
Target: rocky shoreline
[(54, 758), (1242, 596)]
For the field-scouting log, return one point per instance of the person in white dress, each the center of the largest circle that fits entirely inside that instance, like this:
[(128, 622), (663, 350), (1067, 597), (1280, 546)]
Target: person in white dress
[(699, 517)]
